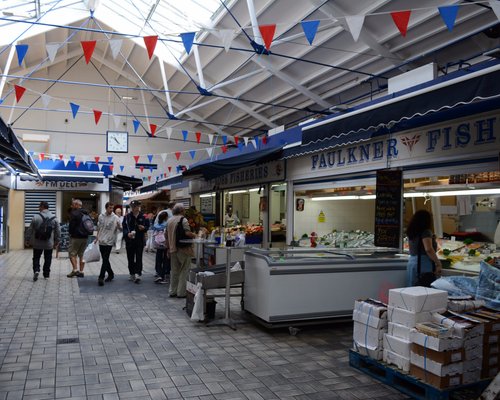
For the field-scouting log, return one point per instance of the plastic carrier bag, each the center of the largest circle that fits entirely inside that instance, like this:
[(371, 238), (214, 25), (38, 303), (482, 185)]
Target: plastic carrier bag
[(198, 313), (92, 253)]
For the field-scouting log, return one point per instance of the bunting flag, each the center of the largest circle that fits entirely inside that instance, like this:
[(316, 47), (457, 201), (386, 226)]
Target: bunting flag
[(88, 49), (224, 149), (122, 167), (169, 169), (141, 168), (495, 6), (209, 151), (163, 157), (245, 139), (184, 135), (116, 45), (254, 142), (241, 146), (41, 156), (72, 158), (19, 92), (53, 157), (193, 154), (77, 164), (151, 169), (226, 37), (401, 19), (136, 158), (111, 167), (74, 109), (61, 156), (169, 133), (136, 125), (21, 50), (96, 158), (153, 129), (31, 153), (177, 155), (117, 119), (150, 42), (267, 33), (187, 40), (52, 51), (224, 139), (110, 159), (310, 28), (449, 15), (355, 23), (264, 140), (210, 138), (97, 116), (150, 158), (46, 100), (198, 137)]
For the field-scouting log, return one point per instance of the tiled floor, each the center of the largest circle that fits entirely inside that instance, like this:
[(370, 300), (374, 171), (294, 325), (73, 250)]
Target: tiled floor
[(137, 343)]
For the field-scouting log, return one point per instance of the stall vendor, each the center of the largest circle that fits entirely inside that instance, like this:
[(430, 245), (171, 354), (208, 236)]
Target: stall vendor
[(230, 219)]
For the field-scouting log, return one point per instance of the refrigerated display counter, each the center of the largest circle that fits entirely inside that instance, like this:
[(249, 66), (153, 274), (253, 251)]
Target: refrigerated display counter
[(290, 286)]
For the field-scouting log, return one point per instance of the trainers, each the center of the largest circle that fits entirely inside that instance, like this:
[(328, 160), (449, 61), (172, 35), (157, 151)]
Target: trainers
[(137, 278), (45, 277), (35, 276), (164, 282), (100, 282), (72, 274), (80, 274), (131, 278), (158, 279), (109, 278)]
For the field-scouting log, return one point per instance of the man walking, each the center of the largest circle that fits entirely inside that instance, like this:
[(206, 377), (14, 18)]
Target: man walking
[(78, 236), (135, 226), (180, 254), (43, 234), (107, 229)]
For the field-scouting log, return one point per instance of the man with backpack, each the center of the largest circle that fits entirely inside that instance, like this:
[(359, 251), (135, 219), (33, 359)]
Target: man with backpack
[(43, 234), (135, 226), (80, 227), (180, 253)]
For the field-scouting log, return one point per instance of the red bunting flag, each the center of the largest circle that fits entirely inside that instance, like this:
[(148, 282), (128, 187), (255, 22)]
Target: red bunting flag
[(224, 149), (141, 168), (77, 164), (88, 49), (41, 156), (111, 167), (264, 139), (97, 159), (97, 116), (136, 158), (236, 139), (149, 178), (19, 92), (401, 19), (150, 42), (153, 129), (198, 137), (267, 33), (177, 155), (61, 156)]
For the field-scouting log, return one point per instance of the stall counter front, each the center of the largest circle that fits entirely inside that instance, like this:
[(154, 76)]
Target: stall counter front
[(304, 285)]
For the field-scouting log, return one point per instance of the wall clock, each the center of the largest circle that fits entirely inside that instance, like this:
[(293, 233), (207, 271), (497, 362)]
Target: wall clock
[(116, 142)]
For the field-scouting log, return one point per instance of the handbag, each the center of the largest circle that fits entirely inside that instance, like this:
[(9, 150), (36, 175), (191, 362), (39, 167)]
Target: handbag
[(424, 278)]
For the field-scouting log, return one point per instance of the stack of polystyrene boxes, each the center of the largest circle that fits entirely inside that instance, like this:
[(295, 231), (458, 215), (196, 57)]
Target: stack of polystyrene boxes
[(370, 324), (407, 307)]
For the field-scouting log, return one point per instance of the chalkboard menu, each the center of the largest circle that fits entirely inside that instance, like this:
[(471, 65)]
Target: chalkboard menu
[(388, 208)]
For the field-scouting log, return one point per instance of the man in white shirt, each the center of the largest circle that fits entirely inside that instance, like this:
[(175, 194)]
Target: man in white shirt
[(107, 229)]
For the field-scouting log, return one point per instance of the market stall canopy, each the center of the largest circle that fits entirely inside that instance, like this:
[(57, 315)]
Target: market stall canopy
[(452, 96), (173, 180), (12, 153), (143, 196), (71, 176), (125, 182)]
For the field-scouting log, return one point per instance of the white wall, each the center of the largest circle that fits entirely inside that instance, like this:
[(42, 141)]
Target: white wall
[(344, 215)]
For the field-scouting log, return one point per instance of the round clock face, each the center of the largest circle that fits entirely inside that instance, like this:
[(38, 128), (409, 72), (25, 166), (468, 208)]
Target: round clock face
[(117, 142)]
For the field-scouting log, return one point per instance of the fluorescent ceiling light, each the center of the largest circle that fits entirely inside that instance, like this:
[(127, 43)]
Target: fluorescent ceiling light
[(129, 98), (464, 192), (238, 191), (326, 198), (368, 197), (207, 195), (254, 190), (414, 194)]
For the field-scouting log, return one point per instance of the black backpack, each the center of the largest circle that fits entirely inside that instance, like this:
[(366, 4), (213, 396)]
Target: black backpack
[(44, 230), (180, 234), (86, 226)]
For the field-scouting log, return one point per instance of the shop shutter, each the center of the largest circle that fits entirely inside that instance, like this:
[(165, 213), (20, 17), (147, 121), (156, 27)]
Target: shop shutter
[(32, 201)]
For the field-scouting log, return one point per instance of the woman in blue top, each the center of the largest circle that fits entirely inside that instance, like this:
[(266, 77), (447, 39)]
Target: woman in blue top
[(421, 240), (162, 263)]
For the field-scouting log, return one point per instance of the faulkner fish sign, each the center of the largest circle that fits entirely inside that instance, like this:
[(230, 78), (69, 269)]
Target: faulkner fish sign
[(456, 138)]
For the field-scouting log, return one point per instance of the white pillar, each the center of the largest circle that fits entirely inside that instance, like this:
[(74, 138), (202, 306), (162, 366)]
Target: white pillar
[(436, 216), (103, 199), (290, 210)]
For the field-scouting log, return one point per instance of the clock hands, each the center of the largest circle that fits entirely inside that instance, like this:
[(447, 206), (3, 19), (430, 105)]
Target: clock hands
[(116, 140)]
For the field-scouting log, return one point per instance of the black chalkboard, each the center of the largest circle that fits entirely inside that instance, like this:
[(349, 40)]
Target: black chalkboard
[(388, 208)]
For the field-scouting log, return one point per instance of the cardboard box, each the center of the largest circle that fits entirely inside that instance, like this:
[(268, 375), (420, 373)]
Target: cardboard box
[(397, 345), (491, 339), (368, 319), (441, 382), (474, 353), (375, 308), (418, 299), (408, 318), (375, 353), (490, 317), (472, 365), (436, 344), (400, 331), (464, 305), (471, 377), (436, 368), (472, 343), (442, 357), (462, 325), (487, 373), (401, 362)]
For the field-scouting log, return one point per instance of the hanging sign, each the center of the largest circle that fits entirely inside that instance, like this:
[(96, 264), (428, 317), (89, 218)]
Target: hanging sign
[(63, 185)]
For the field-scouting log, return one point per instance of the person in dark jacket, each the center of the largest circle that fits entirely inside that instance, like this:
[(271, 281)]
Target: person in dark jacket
[(135, 226), (43, 245), (77, 239)]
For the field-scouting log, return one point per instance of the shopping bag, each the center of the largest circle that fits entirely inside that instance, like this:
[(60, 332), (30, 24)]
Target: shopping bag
[(198, 313), (92, 253)]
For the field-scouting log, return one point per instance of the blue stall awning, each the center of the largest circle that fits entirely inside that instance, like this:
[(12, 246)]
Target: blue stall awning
[(12, 153), (173, 180)]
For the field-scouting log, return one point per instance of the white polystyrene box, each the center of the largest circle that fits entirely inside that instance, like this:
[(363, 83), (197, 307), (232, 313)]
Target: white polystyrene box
[(400, 331), (436, 368), (418, 299), (401, 362), (408, 318), (367, 335), (397, 345), (369, 319), (434, 343)]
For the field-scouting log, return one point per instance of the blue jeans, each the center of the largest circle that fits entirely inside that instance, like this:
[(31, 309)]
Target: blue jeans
[(426, 265)]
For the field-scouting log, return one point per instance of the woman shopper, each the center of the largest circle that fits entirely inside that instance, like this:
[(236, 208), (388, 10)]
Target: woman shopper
[(107, 227), (162, 263), (423, 247)]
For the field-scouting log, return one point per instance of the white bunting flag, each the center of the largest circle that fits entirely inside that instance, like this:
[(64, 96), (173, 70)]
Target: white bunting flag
[(52, 51), (209, 151), (163, 157), (53, 157), (46, 100), (65, 161), (254, 143), (116, 45), (210, 138), (169, 132), (117, 120), (84, 159), (245, 139), (495, 6), (355, 23), (226, 37)]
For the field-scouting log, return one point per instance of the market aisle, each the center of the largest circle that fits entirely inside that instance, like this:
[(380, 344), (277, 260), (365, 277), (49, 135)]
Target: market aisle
[(133, 342)]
